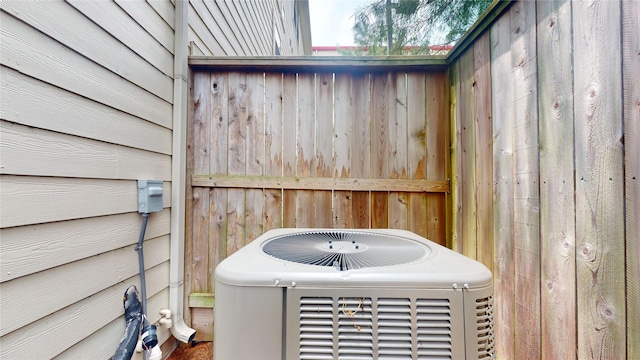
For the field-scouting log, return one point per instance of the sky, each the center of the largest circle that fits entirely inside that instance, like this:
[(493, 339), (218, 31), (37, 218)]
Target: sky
[(332, 20)]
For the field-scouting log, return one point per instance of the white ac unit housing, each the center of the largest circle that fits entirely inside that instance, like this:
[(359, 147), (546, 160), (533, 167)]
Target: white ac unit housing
[(351, 294)]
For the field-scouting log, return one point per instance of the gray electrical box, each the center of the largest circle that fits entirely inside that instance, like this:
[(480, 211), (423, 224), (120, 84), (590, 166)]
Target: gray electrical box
[(149, 196)]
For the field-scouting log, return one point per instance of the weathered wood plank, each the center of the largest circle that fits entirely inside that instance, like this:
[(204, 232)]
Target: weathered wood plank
[(60, 330), (65, 199), (31, 102), (398, 148), (202, 149), (306, 162), (289, 114), (61, 21), (456, 156), (361, 147), (631, 106), (599, 172), (30, 151), (22, 297), (502, 128), (30, 52), (343, 119), (26, 250), (237, 158), (467, 177), (483, 151), (557, 205), (418, 144), (380, 144), (437, 145), (526, 188), (202, 300), (274, 138), (255, 144), (324, 147), (345, 184)]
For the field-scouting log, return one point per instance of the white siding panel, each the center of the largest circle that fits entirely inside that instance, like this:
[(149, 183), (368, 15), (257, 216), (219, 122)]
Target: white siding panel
[(214, 28), (166, 10), (96, 345), (224, 25), (61, 22), (265, 38), (31, 200), (149, 19), (30, 151), (202, 31), (31, 102), (242, 33), (29, 249), (64, 285), (236, 8), (33, 53), (118, 23), (55, 333)]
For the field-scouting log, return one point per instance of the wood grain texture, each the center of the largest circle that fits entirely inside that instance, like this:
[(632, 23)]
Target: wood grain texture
[(60, 330), (631, 106), (30, 151), (274, 138), (467, 177), (64, 285), (599, 171), (61, 21), (31, 102), (483, 151), (65, 199), (33, 53), (503, 177), (255, 144), (361, 147), (305, 162), (437, 145), (29, 249), (343, 120), (380, 145), (557, 205), (526, 216), (456, 156), (419, 136), (324, 147), (398, 148), (289, 128)]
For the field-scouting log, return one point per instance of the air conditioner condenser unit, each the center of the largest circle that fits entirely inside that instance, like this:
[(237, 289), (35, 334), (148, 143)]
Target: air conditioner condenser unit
[(351, 294)]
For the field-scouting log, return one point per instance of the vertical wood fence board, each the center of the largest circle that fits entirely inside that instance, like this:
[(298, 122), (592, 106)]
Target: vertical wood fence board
[(467, 174), (557, 206), (289, 115), (255, 144), (631, 106), (502, 128), (420, 135), (218, 165), (599, 181), (189, 206), (526, 194), (202, 150), (456, 156), (324, 146), (483, 153), (236, 159), (380, 147), (437, 148), (343, 200), (273, 149), (305, 165), (398, 201), (361, 147)]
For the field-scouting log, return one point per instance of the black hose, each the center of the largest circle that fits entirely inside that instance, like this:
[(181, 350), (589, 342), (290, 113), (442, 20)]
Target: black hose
[(133, 316), (143, 282)]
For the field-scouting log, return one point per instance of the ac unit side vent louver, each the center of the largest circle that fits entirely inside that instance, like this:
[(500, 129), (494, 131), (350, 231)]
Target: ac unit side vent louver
[(484, 316), (381, 326), (345, 250)]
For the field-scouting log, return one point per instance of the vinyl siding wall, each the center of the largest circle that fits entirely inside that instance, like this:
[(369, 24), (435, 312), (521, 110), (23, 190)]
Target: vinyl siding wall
[(86, 110)]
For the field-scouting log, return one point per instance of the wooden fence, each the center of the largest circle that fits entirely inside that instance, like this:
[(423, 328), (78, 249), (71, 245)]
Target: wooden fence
[(320, 148)]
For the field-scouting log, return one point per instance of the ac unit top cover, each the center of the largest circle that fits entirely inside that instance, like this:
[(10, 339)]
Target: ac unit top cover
[(349, 258)]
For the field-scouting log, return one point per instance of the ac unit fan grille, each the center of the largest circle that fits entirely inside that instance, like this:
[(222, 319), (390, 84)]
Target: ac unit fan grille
[(484, 319), (345, 250), (362, 327)]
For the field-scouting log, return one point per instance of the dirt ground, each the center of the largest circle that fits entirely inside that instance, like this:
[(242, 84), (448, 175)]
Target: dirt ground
[(201, 351)]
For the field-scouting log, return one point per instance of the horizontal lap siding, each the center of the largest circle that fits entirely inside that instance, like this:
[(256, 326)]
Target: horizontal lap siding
[(86, 104)]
